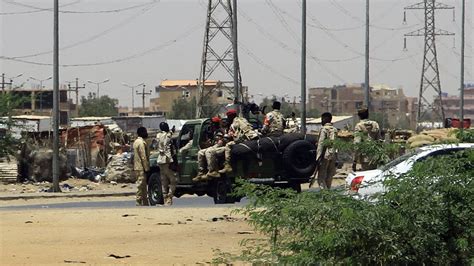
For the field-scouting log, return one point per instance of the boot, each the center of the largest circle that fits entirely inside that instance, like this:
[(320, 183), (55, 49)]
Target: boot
[(200, 176), (168, 200), (212, 175), (227, 169)]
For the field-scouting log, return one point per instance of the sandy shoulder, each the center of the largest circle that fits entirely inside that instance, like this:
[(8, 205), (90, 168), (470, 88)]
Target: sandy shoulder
[(158, 235)]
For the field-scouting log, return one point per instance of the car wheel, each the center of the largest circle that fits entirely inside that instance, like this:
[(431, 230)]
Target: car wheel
[(155, 190)]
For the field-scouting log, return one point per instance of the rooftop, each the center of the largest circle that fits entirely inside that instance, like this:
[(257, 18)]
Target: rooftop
[(186, 82)]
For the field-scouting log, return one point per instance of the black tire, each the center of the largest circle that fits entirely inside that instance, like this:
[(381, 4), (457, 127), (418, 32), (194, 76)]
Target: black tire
[(300, 159), (296, 187), (287, 139), (155, 190), (222, 189)]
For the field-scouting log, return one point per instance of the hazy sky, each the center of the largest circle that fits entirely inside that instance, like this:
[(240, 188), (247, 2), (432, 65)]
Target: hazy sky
[(163, 40)]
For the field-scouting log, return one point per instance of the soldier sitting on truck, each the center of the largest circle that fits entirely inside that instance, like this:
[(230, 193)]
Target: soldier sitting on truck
[(240, 130), (207, 167), (274, 122)]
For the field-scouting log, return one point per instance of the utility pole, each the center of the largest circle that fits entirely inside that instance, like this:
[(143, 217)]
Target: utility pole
[(367, 56), (41, 89), (55, 187), (133, 88), (463, 33), (98, 85), (303, 67), (218, 56), (238, 94), (5, 83), (76, 89), (143, 94), (430, 71)]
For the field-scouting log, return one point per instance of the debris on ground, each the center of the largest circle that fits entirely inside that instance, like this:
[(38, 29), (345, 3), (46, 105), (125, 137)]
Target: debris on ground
[(119, 169)]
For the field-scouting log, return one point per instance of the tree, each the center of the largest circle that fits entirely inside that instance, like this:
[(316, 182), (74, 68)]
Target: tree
[(93, 106), (183, 109), (8, 102)]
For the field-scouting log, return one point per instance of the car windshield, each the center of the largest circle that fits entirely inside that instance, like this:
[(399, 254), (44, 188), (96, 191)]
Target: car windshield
[(400, 159)]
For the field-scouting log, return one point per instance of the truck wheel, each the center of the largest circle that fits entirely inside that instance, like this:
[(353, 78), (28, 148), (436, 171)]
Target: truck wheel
[(300, 158), (296, 187), (221, 192), (155, 192)]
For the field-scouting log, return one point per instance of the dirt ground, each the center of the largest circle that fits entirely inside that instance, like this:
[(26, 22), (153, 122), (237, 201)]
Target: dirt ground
[(132, 236), (142, 235)]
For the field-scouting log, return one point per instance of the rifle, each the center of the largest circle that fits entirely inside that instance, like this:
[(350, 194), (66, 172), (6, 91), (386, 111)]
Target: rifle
[(318, 163)]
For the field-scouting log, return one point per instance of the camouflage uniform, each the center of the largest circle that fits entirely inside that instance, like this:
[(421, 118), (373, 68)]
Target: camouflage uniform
[(327, 161), (240, 130), (207, 160), (273, 124), (366, 130), (141, 165), (165, 157)]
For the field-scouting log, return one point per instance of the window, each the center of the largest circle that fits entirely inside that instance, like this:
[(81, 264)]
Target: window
[(186, 94), (220, 93)]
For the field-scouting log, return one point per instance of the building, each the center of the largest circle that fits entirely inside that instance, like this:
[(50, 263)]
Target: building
[(39, 102), (452, 104), (170, 90), (348, 98)]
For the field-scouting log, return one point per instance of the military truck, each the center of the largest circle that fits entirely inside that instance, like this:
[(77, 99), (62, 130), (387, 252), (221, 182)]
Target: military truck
[(285, 162)]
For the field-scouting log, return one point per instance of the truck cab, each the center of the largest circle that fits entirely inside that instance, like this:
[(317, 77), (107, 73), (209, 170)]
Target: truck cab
[(274, 162)]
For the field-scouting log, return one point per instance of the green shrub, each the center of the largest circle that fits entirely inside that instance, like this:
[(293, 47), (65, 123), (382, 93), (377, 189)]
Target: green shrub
[(426, 217)]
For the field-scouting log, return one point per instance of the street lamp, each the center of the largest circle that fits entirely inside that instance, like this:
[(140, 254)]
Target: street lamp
[(132, 87), (98, 85), (12, 78), (41, 88)]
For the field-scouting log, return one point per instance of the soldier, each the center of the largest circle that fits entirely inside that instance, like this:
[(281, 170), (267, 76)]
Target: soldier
[(274, 122), (240, 130), (141, 166), (326, 155), (165, 158), (365, 130), (205, 160)]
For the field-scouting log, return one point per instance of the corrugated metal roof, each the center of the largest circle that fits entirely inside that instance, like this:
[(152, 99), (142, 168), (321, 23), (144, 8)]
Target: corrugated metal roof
[(31, 117), (185, 82), (91, 118)]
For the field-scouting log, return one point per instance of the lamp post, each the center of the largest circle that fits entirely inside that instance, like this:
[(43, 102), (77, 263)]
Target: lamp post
[(133, 88), (98, 85), (41, 89), (12, 78)]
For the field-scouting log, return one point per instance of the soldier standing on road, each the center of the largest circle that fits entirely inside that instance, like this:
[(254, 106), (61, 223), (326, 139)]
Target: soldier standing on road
[(365, 130), (240, 130), (141, 166), (274, 122), (326, 155), (165, 158)]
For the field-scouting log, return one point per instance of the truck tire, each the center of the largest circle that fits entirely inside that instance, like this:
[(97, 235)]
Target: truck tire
[(155, 191), (287, 139), (222, 189), (300, 159)]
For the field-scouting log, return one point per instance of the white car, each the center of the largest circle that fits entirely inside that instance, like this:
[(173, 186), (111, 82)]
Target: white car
[(367, 183)]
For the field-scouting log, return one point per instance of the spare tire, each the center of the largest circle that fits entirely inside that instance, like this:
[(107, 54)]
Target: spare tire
[(287, 139), (299, 159)]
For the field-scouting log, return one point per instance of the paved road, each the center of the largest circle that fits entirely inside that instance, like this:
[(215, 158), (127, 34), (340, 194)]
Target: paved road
[(184, 202)]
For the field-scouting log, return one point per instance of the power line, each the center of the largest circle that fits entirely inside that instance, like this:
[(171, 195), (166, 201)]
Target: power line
[(259, 61), (119, 60), (93, 37), (34, 11), (118, 10)]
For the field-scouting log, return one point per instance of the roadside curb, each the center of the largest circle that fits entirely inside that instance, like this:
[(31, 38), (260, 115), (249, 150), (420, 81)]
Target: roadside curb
[(67, 195)]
